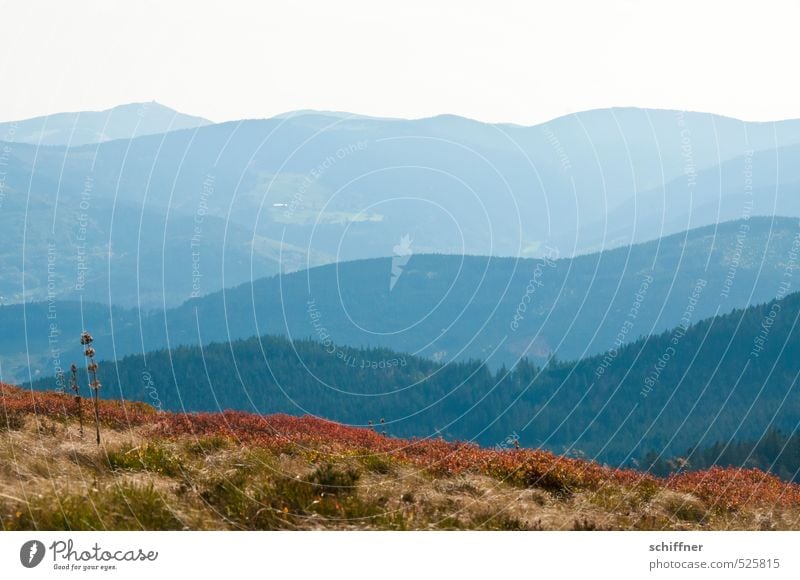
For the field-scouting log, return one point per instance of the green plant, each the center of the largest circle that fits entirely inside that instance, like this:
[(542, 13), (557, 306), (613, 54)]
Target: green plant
[(332, 480), (376, 464), (205, 445), (685, 510), (118, 507), (152, 457), (244, 506)]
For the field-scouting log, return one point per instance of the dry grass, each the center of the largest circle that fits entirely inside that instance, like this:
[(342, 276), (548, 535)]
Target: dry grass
[(171, 472)]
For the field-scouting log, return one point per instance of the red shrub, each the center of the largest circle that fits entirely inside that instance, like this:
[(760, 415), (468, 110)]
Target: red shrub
[(727, 488)]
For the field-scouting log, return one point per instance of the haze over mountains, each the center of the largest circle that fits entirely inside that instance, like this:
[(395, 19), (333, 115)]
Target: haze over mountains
[(313, 188), (450, 308), (81, 128), (759, 183), (464, 249)]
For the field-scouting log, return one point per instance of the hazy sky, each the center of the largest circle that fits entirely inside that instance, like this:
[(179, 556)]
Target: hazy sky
[(521, 62)]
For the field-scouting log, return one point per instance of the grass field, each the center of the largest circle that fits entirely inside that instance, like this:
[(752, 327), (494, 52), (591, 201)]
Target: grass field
[(164, 471)]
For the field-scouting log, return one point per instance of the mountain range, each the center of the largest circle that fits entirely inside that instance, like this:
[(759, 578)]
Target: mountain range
[(88, 127), (447, 308), (307, 189), (597, 284), (722, 378)]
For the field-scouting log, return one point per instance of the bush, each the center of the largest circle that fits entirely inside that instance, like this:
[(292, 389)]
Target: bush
[(331, 480), (11, 420), (376, 464)]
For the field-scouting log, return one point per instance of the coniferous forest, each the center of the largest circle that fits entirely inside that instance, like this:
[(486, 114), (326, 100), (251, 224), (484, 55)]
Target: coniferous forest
[(728, 377)]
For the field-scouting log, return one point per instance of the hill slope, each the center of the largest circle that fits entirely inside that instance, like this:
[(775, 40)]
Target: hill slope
[(444, 307), (757, 183), (499, 310), (119, 253), (727, 378), (238, 471)]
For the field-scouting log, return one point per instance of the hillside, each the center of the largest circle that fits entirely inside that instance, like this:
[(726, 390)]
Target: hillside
[(114, 252), (163, 471), (718, 379), (501, 309), (758, 183), (447, 307)]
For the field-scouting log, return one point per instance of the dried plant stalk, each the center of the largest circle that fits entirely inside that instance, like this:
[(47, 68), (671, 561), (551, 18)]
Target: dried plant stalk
[(78, 404), (86, 341)]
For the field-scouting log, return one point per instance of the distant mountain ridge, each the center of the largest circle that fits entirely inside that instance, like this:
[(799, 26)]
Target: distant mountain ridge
[(345, 187), (93, 127), (446, 307), (501, 309), (308, 189)]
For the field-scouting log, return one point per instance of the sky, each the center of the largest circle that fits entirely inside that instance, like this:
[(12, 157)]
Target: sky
[(499, 61)]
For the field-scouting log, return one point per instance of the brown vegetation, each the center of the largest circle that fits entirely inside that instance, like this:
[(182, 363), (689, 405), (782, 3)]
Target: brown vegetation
[(242, 471)]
